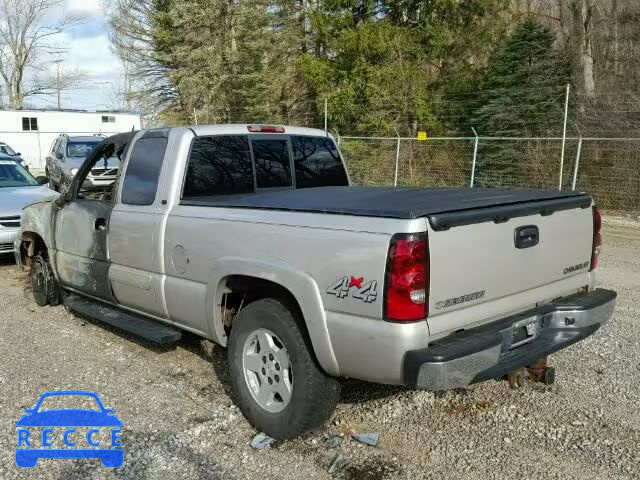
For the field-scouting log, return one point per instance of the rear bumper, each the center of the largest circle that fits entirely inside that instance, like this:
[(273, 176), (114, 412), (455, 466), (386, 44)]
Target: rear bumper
[(494, 350)]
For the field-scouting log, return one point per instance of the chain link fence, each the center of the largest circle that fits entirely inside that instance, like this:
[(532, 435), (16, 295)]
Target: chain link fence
[(608, 168)]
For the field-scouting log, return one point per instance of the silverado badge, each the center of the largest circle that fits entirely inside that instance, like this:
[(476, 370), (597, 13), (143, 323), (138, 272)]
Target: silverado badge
[(461, 299)]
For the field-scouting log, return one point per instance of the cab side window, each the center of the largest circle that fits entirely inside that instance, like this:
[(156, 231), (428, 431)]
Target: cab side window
[(219, 165), (143, 170), (60, 149), (317, 162)]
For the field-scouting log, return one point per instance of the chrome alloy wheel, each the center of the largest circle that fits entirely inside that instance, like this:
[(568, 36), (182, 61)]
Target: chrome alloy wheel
[(267, 370)]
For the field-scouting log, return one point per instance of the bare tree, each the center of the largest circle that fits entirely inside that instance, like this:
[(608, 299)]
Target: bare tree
[(146, 80), (575, 21), (62, 80), (23, 38), (582, 13)]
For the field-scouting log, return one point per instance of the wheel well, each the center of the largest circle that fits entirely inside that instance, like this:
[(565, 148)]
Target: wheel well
[(31, 245), (240, 290)]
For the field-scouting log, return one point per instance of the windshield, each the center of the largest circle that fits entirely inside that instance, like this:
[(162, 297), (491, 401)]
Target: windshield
[(14, 175), (7, 150), (69, 402), (80, 149)]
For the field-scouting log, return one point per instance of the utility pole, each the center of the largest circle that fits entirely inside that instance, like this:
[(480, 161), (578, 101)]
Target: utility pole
[(58, 85)]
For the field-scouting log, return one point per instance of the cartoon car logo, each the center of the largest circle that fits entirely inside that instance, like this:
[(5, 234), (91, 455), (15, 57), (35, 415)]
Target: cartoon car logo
[(45, 427)]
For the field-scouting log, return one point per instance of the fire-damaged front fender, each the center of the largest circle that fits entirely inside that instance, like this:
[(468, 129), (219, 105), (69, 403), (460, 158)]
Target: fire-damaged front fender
[(36, 231)]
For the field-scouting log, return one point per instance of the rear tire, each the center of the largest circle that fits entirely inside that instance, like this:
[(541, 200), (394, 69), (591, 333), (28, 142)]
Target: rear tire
[(268, 332), (43, 283)]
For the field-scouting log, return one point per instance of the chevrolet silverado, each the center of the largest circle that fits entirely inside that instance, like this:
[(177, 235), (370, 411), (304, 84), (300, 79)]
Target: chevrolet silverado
[(251, 236)]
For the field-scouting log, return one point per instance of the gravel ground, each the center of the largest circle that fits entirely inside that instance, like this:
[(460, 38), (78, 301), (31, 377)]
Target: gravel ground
[(181, 423)]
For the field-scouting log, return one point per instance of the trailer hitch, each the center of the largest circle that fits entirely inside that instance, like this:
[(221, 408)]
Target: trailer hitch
[(538, 371)]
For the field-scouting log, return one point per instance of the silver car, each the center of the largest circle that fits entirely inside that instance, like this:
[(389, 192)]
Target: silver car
[(7, 151), (67, 155), (18, 189)]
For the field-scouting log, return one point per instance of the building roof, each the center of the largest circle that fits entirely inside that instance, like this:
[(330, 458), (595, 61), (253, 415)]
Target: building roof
[(68, 110)]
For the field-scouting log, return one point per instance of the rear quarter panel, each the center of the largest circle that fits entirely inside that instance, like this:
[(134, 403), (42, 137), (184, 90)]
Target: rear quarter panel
[(300, 240), (288, 248)]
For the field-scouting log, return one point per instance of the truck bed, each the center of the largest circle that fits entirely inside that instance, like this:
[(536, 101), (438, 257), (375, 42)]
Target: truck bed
[(444, 207)]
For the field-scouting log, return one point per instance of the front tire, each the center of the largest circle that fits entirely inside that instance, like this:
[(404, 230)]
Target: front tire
[(43, 283), (276, 381)]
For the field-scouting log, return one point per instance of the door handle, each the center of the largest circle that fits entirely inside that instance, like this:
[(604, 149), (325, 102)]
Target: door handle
[(527, 236), (100, 224)]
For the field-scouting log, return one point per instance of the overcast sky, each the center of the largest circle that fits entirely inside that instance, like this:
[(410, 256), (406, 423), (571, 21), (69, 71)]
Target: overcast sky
[(89, 50)]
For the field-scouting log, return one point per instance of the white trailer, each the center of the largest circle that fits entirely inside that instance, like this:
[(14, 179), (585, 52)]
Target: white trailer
[(32, 132)]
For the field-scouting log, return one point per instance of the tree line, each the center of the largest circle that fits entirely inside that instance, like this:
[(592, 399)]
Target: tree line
[(384, 66), (29, 32)]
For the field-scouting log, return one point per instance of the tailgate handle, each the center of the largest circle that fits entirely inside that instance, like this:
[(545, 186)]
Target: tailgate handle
[(527, 236)]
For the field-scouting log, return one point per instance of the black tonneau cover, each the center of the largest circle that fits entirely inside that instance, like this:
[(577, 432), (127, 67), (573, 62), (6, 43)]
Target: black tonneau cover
[(444, 207)]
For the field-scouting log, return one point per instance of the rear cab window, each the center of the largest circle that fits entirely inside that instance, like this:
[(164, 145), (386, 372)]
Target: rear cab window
[(272, 163), (235, 164)]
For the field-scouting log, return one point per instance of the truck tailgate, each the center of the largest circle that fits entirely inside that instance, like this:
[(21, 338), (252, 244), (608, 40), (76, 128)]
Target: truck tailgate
[(478, 271)]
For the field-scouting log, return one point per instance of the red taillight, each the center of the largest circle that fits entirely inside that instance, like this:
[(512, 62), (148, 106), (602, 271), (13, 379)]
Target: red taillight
[(597, 238), (265, 129), (407, 279)]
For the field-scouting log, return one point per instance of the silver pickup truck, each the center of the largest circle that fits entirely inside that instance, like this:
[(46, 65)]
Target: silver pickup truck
[(250, 236)]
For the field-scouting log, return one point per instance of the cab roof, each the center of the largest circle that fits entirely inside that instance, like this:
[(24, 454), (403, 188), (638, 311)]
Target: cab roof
[(243, 129), (83, 138)]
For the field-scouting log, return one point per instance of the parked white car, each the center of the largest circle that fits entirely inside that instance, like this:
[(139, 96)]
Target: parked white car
[(18, 188)]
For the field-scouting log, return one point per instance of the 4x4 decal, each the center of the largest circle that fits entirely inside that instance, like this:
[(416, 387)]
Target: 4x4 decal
[(342, 288)]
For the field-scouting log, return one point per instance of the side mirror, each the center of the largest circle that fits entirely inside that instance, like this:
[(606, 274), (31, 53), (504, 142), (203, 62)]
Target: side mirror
[(17, 154), (59, 156), (29, 410), (41, 179)]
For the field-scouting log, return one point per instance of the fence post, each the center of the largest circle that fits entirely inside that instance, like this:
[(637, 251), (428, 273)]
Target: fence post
[(575, 167), (326, 110), (475, 154), (40, 162), (564, 136), (395, 177)]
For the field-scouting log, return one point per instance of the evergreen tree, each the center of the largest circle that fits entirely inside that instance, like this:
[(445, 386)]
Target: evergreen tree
[(387, 61), (522, 93)]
